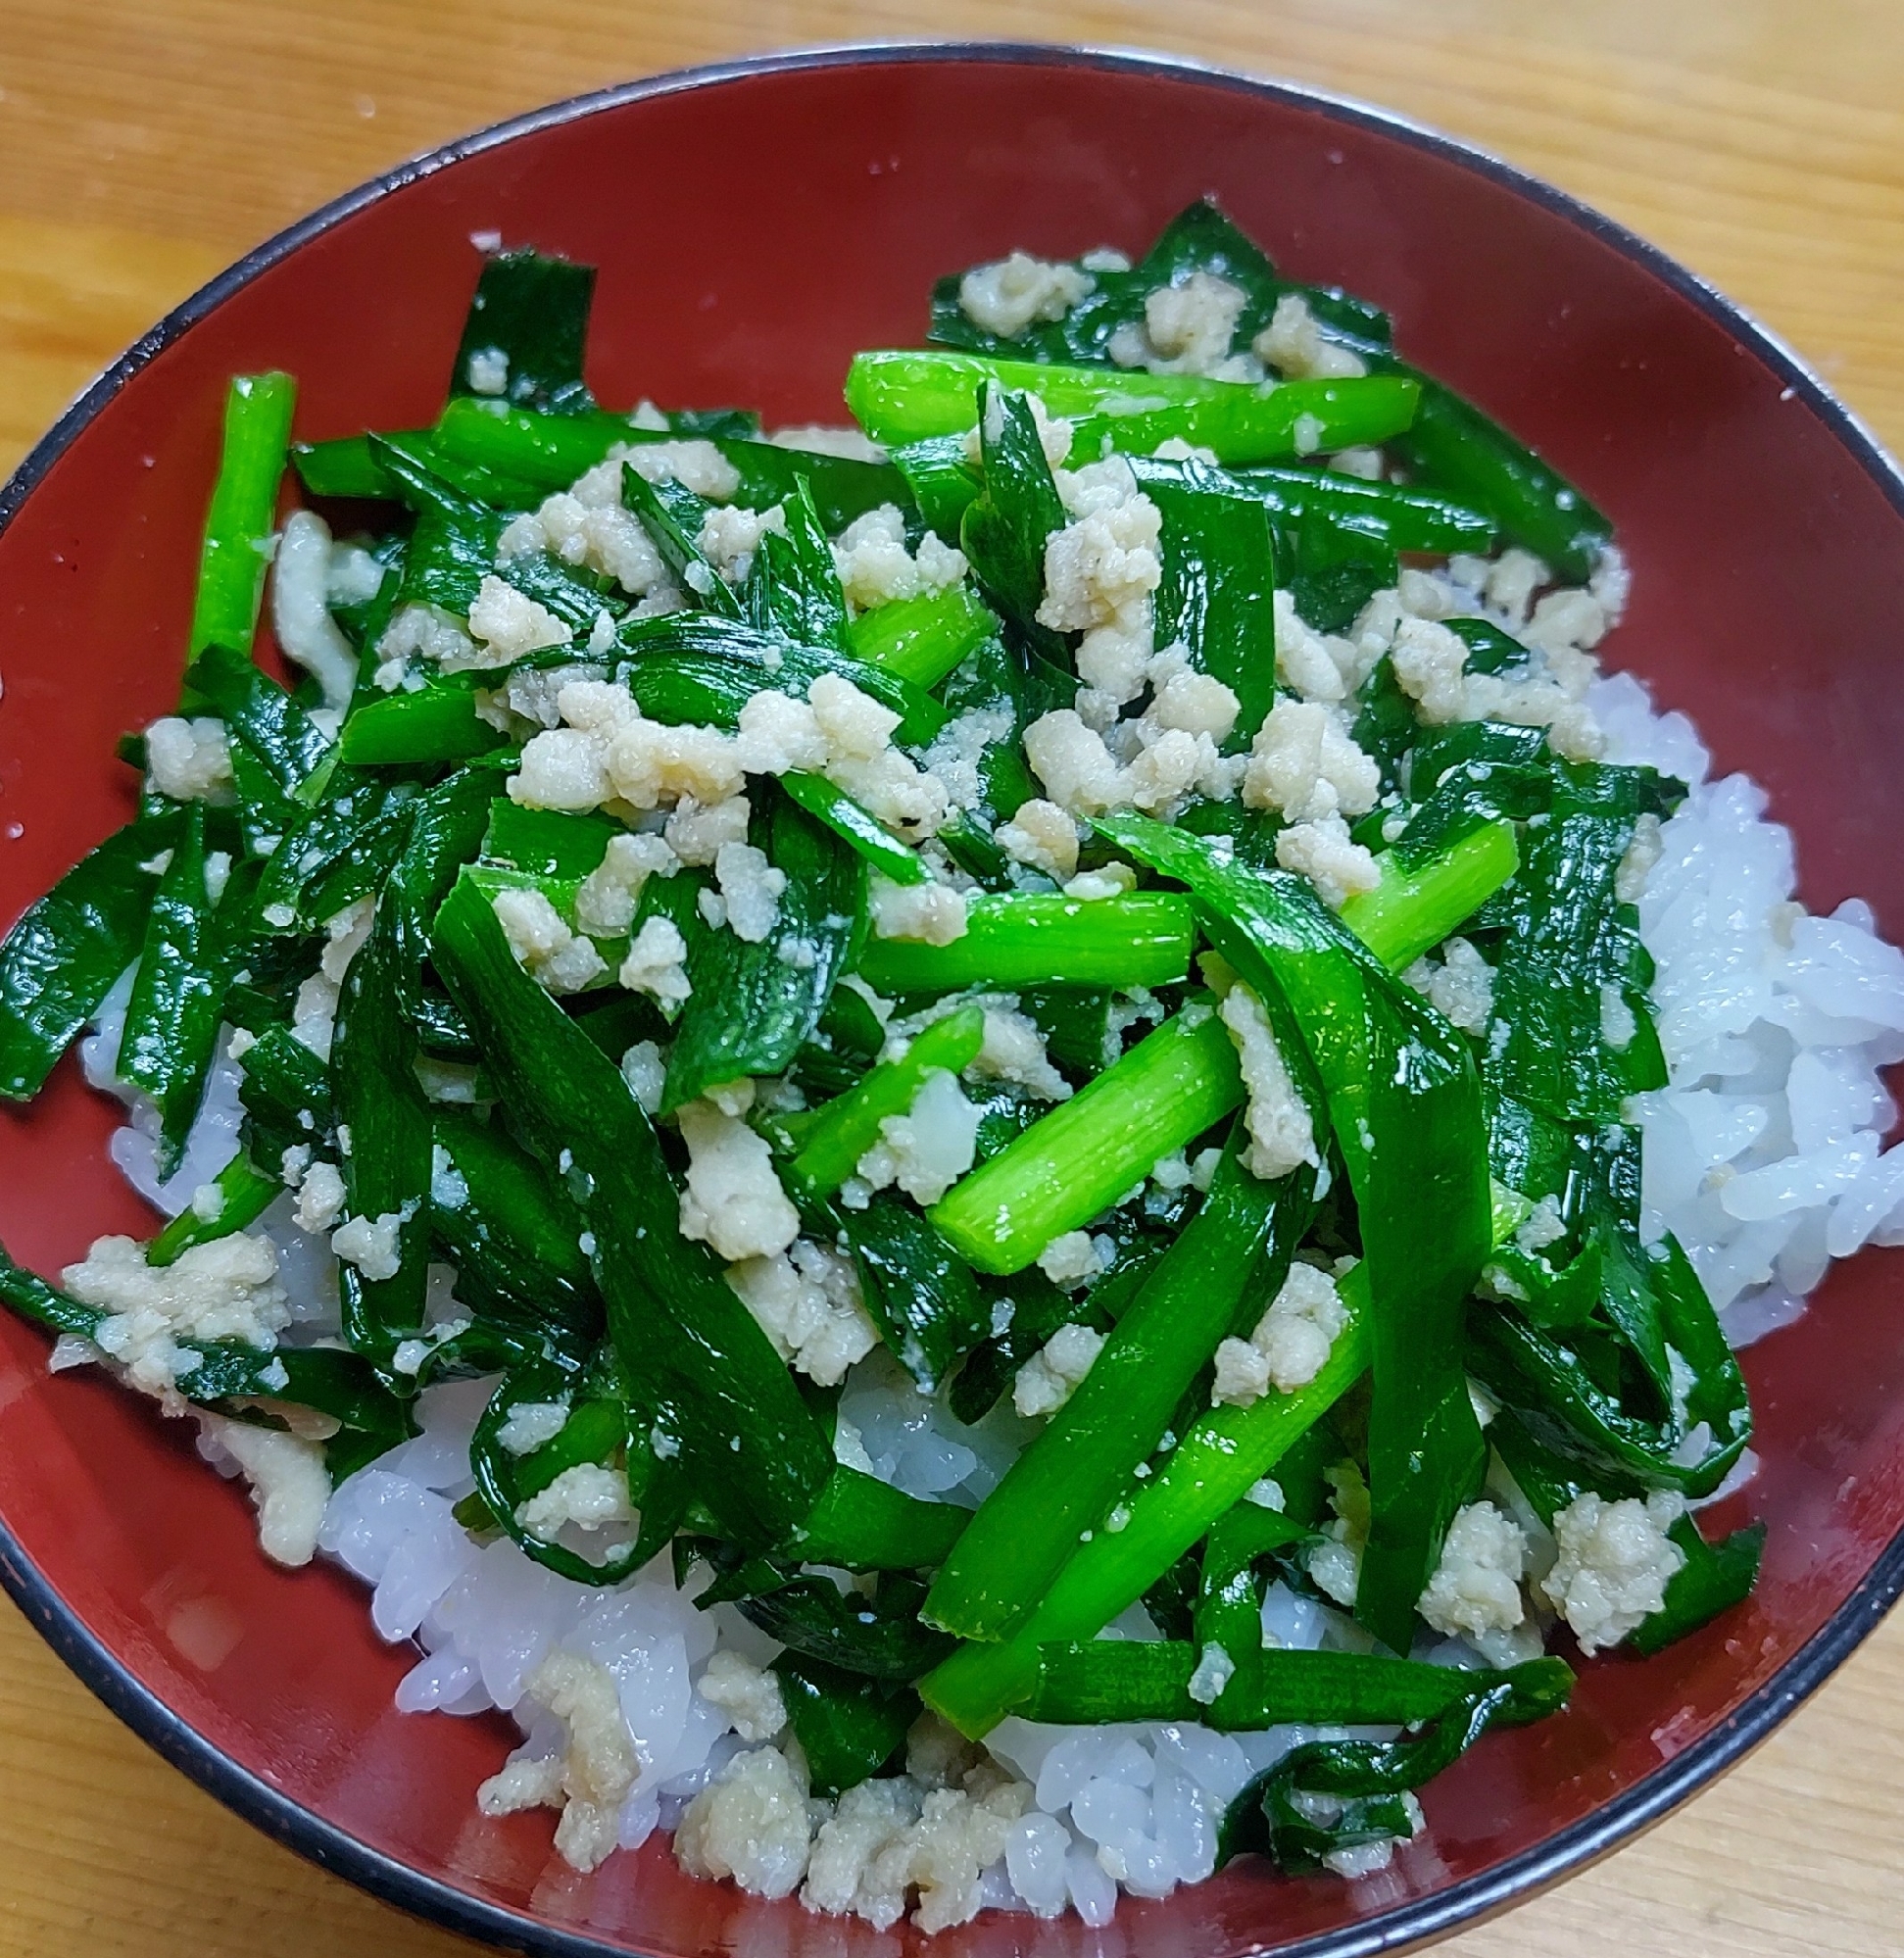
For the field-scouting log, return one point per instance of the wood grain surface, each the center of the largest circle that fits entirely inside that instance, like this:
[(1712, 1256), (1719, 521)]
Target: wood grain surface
[(145, 143)]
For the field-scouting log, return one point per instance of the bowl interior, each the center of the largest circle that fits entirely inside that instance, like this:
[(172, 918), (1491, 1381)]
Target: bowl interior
[(750, 233)]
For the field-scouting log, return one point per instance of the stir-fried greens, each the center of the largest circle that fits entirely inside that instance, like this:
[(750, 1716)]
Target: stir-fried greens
[(632, 898)]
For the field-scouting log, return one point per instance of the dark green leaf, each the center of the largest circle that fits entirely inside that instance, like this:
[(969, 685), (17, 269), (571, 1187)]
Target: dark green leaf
[(1004, 533), (436, 723), (1400, 516), (287, 1097), (1453, 446), (754, 1004), (1572, 957), (61, 958), (277, 733), (793, 587), (921, 1294), (511, 1226), (1550, 1382), (699, 667), (375, 1088), (679, 546), (1106, 1680), (758, 1456), (1489, 649), (1037, 1310), (1199, 239), (1340, 561), (546, 843), (1217, 598), (338, 852), (453, 548), (601, 1423), (862, 1524), (337, 1384), (532, 312), (855, 826), (1367, 1779), (172, 1020), (848, 1725), (879, 1637), (1715, 1577)]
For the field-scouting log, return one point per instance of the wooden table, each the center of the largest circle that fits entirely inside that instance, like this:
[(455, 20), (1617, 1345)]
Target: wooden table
[(145, 143)]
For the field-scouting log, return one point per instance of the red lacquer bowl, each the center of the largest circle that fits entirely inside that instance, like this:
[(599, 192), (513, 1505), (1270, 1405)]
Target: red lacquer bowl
[(753, 225)]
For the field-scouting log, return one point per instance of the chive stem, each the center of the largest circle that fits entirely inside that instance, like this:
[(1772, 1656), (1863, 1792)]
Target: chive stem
[(1142, 938), (900, 398), (1208, 1472), (244, 1195), (835, 1135), (1086, 1153), (1415, 907), (922, 639), (243, 511)]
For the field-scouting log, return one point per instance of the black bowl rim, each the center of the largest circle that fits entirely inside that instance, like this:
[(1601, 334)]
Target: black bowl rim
[(1407, 1926)]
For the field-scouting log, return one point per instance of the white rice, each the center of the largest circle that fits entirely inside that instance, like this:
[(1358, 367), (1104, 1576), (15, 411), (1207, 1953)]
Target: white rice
[(1763, 1155), (485, 1616)]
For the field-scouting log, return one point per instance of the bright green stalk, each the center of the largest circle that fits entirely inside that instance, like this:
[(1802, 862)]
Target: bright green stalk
[(1404, 1103), (1294, 419), (1414, 908), (1205, 1476), (1209, 1471), (244, 1194), (922, 639), (995, 1215), (243, 514), (548, 450), (1087, 1152), (1142, 938), (833, 1137), (1235, 1250), (906, 397)]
